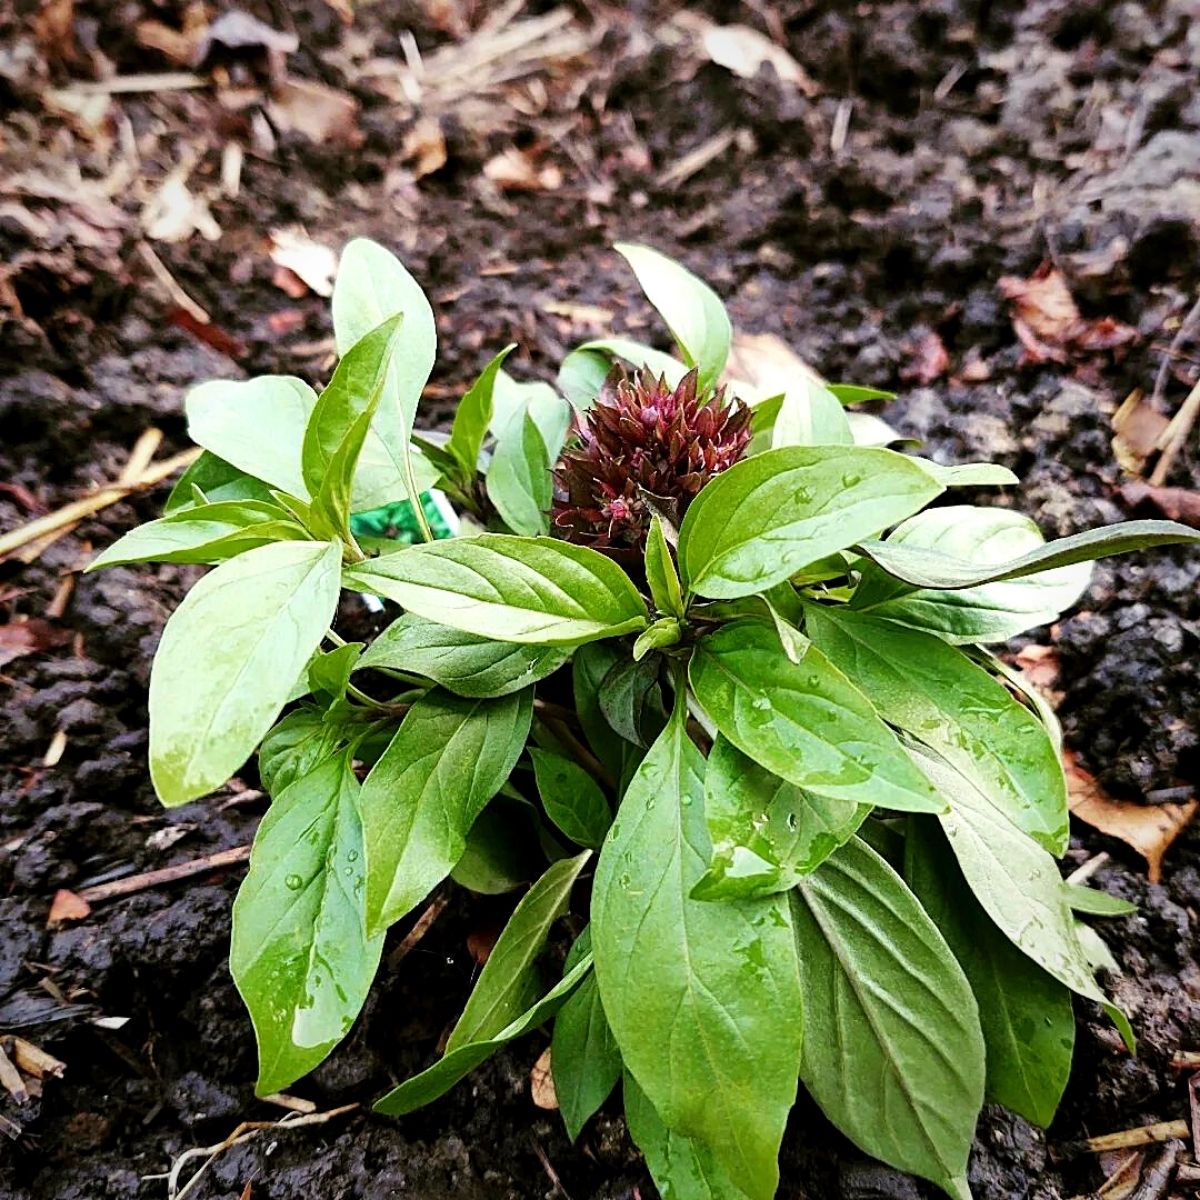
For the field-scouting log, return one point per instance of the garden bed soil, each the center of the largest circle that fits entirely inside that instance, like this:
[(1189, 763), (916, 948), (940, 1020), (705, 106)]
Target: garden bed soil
[(865, 210)]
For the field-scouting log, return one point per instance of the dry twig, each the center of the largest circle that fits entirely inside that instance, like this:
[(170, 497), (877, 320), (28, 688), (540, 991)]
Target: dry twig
[(149, 879), (1144, 1135)]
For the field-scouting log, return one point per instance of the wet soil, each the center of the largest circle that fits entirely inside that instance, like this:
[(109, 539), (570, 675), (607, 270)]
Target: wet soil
[(983, 139)]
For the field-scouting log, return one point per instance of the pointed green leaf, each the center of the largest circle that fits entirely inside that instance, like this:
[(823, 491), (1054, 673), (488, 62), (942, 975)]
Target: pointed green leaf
[(1026, 1015), (217, 480), (329, 673), (703, 999), (509, 982), (661, 575), (804, 722), (692, 310), (1096, 903), (299, 955), (919, 683), (449, 757), (893, 1051), (474, 415), (572, 798), (462, 663), (518, 479), (853, 393), (663, 633), (228, 658), (810, 415), (768, 516), (766, 833), (590, 666), (513, 589)]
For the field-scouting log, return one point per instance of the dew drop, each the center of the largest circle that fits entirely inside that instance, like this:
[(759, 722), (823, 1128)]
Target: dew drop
[(851, 478), (761, 703), (294, 882), (352, 855)]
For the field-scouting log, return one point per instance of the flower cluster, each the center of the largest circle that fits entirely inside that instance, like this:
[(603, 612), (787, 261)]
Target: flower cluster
[(643, 447)]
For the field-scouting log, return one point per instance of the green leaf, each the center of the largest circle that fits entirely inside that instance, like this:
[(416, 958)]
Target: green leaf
[(371, 285), (631, 700), (987, 613), (449, 757), (228, 658), (256, 425), (299, 955), (804, 722), (636, 354), (853, 393), (663, 633), (589, 668), (810, 415), (518, 480), (682, 1169), (550, 412), (502, 852), (1026, 1016), (509, 982), (474, 415), (980, 474), (295, 746), (929, 569), (513, 589), (205, 533), (446, 1072), (768, 516), (870, 430), (919, 683), (329, 673), (461, 662), (1016, 882), (1096, 903), (217, 480), (584, 1058), (893, 1051), (766, 833), (572, 798), (581, 375), (703, 999), (692, 310), (663, 579)]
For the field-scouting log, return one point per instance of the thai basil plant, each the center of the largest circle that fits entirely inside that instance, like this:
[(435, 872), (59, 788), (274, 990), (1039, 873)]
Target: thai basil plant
[(707, 665)]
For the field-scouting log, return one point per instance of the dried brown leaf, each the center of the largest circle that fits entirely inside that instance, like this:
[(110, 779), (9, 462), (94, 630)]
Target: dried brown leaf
[(32, 636), (744, 51), (541, 1083), (315, 111), (1138, 428), (929, 360), (514, 170), (762, 365), (67, 906), (311, 262), (1175, 503), (424, 147), (1148, 828)]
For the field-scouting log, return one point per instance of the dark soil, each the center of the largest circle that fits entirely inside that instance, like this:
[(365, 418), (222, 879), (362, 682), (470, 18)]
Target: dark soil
[(984, 139)]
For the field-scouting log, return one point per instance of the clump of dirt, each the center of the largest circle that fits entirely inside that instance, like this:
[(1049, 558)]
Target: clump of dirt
[(864, 214)]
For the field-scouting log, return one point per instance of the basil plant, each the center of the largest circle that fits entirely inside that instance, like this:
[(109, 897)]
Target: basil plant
[(707, 665)]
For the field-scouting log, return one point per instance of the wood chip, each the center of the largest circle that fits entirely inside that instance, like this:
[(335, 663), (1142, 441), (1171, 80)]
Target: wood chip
[(10, 1079), (33, 1060), (1148, 828), (1144, 1135), (541, 1083), (56, 749)]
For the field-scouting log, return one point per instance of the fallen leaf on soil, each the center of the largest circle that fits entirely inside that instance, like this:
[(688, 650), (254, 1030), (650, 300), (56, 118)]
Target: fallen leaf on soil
[(1176, 503), (743, 50), (67, 906), (481, 941), (424, 147), (1138, 428), (19, 638), (762, 365), (311, 262), (237, 30), (174, 213), (541, 1083), (1047, 320), (1040, 667), (929, 360), (513, 170), (1148, 828), (54, 30), (33, 1060), (317, 112)]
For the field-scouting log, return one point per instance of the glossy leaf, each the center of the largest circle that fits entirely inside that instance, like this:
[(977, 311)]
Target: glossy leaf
[(631, 700), (584, 1058), (462, 663), (804, 722), (987, 613), (572, 798), (682, 1169), (513, 589), (930, 569), (329, 673), (885, 1001), (513, 398), (518, 479), (589, 668), (661, 575), (1026, 1015), (509, 982), (581, 375), (446, 1072), (502, 853), (767, 517), (449, 757), (766, 833), (703, 999), (474, 415), (1097, 903), (206, 533), (1016, 882), (980, 474), (217, 480), (660, 635), (692, 310), (228, 658), (853, 393), (919, 683), (810, 415), (372, 285), (295, 746), (636, 354), (299, 954)]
